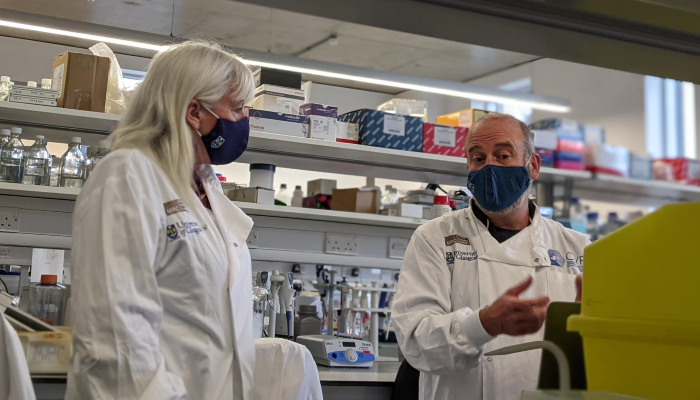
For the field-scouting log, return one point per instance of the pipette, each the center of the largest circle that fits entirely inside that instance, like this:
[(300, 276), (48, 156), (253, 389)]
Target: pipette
[(287, 303)]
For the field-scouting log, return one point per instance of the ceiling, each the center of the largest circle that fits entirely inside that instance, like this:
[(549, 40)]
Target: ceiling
[(264, 29)]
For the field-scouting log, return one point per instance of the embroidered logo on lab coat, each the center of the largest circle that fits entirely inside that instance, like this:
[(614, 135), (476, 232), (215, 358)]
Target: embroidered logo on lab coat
[(172, 232), (174, 207), (450, 258), (182, 229), (556, 259), (452, 239)]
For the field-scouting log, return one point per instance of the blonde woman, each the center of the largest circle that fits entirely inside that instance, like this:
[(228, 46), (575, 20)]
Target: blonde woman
[(161, 273)]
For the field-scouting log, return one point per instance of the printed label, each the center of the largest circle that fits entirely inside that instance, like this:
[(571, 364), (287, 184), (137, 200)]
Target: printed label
[(284, 105), (57, 82), (395, 125), (174, 207), (445, 136), (320, 128)]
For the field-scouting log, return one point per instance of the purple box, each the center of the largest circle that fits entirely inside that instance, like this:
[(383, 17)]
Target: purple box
[(318, 109)]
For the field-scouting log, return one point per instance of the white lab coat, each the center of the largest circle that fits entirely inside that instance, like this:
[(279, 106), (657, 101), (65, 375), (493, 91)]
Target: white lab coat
[(15, 381), (285, 370), (161, 295), (452, 268)]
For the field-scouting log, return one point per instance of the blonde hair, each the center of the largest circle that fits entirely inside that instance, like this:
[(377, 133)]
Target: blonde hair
[(154, 121)]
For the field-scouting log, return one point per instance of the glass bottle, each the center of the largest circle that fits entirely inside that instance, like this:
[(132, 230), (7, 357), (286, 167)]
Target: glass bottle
[(37, 164), (72, 170), (5, 87), (47, 300), (95, 158), (12, 158), (4, 137)]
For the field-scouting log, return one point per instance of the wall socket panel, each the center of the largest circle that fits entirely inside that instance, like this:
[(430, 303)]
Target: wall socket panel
[(341, 244), (9, 219)]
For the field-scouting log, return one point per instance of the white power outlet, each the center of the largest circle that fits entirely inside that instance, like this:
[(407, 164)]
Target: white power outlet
[(341, 244), (397, 247), (9, 220)]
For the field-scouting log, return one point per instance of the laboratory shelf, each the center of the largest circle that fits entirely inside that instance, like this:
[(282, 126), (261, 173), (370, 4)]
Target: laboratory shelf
[(55, 118), (635, 191), (42, 192)]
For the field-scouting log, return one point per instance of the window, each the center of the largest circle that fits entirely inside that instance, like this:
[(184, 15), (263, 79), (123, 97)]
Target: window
[(669, 110)]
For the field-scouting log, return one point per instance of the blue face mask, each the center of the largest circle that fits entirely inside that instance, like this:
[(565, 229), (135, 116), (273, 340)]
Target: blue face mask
[(227, 141), (496, 187)]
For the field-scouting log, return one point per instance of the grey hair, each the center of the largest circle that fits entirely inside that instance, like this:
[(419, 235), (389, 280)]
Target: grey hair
[(529, 136), (155, 122)]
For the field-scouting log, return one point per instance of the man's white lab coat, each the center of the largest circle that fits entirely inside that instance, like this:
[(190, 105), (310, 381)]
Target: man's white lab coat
[(452, 268), (161, 295)]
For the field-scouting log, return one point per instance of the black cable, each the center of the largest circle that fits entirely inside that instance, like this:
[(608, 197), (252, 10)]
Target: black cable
[(4, 284)]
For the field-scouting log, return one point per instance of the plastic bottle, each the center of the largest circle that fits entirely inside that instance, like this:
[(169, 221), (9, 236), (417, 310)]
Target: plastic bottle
[(441, 206), (390, 196), (47, 300), (12, 158), (72, 170), (593, 226), (5, 87), (283, 197), (577, 217), (101, 153), (46, 83), (611, 225), (298, 197), (37, 164)]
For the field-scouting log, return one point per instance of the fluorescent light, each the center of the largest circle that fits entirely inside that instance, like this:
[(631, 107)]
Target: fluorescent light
[(410, 86), (79, 35), (540, 105)]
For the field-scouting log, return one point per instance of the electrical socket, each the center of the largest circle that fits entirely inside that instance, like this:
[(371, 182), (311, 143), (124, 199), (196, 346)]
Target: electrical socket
[(397, 247), (341, 244), (252, 240), (9, 220)]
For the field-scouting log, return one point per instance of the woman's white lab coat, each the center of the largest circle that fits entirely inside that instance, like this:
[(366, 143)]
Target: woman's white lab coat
[(161, 294), (452, 268)]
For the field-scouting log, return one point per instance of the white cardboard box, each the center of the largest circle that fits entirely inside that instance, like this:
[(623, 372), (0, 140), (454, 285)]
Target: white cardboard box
[(280, 91), (32, 100), (348, 132), (280, 123), (272, 103), (323, 128), (405, 210)]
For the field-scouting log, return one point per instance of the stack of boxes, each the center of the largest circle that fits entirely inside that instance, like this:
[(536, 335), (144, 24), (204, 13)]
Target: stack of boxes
[(34, 95), (381, 129), (449, 136), (275, 107), (568, 152), (683, 170), (323, 121)]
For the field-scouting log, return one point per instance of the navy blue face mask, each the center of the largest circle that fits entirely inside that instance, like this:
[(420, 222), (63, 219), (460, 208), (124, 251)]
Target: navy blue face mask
[(227, 141), (496, 187)]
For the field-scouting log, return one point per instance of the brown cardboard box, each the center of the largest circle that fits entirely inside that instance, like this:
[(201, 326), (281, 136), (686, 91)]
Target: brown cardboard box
[(464, 118), (354, 200), (82, 81)]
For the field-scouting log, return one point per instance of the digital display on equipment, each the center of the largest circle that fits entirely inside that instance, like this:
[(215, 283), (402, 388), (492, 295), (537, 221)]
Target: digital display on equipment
[(348, 344)]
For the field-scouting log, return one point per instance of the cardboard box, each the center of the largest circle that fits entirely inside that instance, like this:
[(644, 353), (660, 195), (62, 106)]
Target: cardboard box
[(641, 167), (34, 92), (280, 91), (269, 76), (570, 146), (444, 140), (566, 128), (321, 187), (322, 128), (46, 352), (251, 195), (608, 160), (32, 100), (418, 199), (570, 165), (347, 132), (464, 118), (404, 210), (354, 200), (280, 123), (593, 134), (81, 80), (268, 102), (685, 170), (545, 139), (547, 157), (568, 156), (318, 109), (390, 131), (319, 202)]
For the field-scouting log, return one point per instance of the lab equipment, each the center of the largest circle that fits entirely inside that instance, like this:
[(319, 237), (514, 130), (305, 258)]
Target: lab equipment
[(72, 170), (276, 282), (298, 197), (21, 320), (441, 206), (577, 218), (12, 158), (37, 164), (95, 158), (593, 226), (47, 300), (282, 197), (46, 83), (262, 176), (286, 315), (308, 322), (261, 299), (390, 197), (339, 352), (5, 88)]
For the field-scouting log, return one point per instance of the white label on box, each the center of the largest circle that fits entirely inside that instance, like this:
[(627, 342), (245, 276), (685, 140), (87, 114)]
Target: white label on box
[(395, 125), (57, 82), (285, 105), (47, 262), (445, 136), (323, 128), (693, 169), (348, 131), (640, 168)]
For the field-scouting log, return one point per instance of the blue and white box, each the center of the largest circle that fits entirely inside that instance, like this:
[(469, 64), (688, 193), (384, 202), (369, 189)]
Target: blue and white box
[(380, 129), (280, 123), (566, 128)]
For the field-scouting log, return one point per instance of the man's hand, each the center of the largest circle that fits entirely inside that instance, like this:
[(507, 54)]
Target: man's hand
[(579, 288), (513, 316)]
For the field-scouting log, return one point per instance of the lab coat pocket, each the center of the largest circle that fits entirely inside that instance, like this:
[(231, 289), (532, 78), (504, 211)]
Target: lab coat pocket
[(561, 286)]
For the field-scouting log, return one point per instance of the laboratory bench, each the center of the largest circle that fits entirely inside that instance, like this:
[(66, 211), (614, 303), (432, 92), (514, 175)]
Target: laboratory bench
[(373, 383)]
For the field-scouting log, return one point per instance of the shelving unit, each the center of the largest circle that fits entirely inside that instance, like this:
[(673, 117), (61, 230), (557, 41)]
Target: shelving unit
[(315, 155)]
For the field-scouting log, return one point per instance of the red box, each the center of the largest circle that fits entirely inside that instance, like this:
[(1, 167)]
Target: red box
[(685, 170), (320, 201), (570, 165), (571, 146), (444, 140)]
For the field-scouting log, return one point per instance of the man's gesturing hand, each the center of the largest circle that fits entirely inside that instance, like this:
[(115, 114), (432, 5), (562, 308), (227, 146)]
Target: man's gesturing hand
[(513, 316)]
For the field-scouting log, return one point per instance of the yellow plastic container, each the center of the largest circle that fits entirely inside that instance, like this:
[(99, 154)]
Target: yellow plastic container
[(640, 312)]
